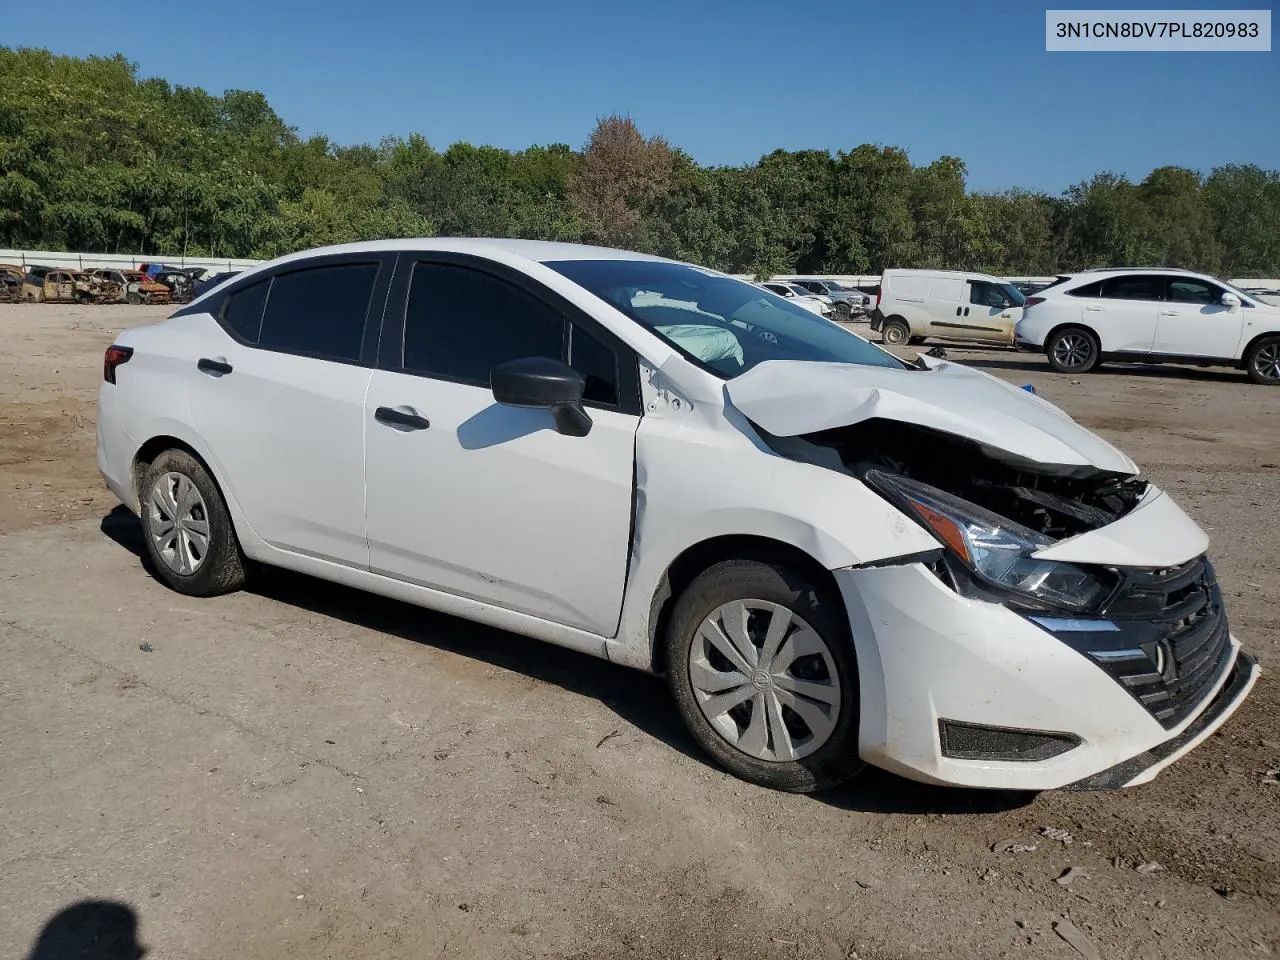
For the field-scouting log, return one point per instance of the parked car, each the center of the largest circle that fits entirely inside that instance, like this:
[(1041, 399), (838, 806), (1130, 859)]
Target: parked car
[(135, 287), (1151, 315), (11, 277), (802, 297), (181, 283), (833, 555), (845, 303), (947, 305), (205, 284), (66, 286)]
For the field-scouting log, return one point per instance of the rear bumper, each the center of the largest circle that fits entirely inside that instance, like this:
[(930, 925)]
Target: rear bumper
[(877, 319), (1026, 346)]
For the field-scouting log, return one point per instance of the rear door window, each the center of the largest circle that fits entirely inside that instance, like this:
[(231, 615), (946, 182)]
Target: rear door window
[(319, 311), (1144, 287), (242, 313)]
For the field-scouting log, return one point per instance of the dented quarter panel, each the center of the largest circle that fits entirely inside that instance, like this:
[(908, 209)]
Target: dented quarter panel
[(1156, 533), (791, 398)]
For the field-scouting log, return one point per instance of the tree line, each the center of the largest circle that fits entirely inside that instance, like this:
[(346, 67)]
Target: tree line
[(95, 158)]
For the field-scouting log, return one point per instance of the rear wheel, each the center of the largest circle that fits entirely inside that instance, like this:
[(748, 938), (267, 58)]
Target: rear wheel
[(895, 332), (764, 675), (1263, 362), (1072, 350), (187, 529)]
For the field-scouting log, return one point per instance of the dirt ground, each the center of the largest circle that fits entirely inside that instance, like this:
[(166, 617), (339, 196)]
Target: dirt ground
[(307, 772)]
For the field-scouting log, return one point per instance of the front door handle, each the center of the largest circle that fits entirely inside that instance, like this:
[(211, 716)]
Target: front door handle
[(401, 417), (1168, 313), (214, 366), (1094, 309)]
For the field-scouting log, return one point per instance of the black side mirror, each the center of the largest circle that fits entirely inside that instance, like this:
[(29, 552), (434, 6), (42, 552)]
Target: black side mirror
[(546, 384)]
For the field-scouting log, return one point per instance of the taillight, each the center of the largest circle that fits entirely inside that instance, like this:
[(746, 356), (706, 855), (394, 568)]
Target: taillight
[(1032, 301), (877, 296), (113, 358)]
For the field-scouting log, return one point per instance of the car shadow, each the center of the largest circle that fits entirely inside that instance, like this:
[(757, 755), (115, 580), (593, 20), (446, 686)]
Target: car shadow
[(92, 930), (638, 699)]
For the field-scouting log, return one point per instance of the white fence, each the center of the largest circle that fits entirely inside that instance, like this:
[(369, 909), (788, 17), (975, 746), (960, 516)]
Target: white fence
[(117, 261)]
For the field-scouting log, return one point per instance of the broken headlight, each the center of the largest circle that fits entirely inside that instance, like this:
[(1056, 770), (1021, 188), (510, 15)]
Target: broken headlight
[(996, 551)]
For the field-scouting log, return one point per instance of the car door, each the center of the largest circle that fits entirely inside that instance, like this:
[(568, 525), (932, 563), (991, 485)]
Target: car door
[(1193, 322), (488, 501), (945, 309), (277, 394), (1124, 313), (988, 313)]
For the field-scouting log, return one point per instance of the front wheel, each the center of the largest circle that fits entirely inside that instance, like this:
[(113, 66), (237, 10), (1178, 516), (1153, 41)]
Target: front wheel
[(843, 312), (1072, 350), (763, 672), (1263, 362)]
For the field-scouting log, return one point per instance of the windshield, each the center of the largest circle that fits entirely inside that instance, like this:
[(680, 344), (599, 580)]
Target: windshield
[(726, 326), (1014, 294), (832, 285)]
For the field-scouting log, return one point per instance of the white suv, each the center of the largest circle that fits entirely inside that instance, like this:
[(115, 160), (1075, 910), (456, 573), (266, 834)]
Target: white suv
[(835, 556), (1151, 315)]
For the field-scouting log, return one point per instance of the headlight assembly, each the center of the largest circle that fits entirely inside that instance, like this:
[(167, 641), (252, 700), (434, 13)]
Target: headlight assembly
[(996, 551)]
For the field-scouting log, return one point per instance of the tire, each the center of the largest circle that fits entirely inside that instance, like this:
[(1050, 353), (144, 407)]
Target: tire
[(814, 752), (195, 563), (843, 312), (895, 332), (1072, 350), (134, 298), (1262, 362)]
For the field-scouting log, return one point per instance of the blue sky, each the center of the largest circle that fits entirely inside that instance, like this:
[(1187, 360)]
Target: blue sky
[(728, 82)]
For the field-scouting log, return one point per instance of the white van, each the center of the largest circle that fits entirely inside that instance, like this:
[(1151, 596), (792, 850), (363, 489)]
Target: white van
[(947, 304)]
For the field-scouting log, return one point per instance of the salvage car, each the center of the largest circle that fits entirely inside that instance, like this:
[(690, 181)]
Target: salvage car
[(11, 278), (834, 556), (845, 302), (135, 287), (1151, 315), (800, 296), (66, 286)]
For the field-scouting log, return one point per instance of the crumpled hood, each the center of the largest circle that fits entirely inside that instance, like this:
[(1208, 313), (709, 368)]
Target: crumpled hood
[(788, 398)]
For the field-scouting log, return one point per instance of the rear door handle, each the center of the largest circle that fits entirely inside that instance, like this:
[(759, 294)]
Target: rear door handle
[(217, 367), (1094, 309), (401, 417), (1168, 313)]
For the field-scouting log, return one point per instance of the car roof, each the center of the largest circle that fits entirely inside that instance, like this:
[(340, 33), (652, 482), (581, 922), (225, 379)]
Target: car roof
[(950, 274), (541, 251)]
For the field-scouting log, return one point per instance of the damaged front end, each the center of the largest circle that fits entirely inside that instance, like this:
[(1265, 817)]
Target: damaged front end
[(993, 512)]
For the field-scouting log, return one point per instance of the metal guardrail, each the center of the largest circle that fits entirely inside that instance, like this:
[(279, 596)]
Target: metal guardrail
[(118, 261)]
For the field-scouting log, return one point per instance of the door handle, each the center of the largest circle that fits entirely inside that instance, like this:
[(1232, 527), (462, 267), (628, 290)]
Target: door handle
[(405, 417), (1094, 309), (214, 366), (1168, 313)]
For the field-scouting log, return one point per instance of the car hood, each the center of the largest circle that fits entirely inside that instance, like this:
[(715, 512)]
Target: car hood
[(787, 398)]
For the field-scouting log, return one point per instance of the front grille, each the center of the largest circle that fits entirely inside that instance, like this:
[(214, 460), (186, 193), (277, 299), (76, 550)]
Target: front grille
[(1176, 642)]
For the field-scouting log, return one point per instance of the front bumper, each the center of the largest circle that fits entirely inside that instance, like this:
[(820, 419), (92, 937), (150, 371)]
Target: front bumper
[(927, 654)]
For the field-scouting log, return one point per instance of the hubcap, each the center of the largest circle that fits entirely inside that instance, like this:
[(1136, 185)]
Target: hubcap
[(1267, 362), (765, 680), (179, 523), (1072, 350), (895, 335)]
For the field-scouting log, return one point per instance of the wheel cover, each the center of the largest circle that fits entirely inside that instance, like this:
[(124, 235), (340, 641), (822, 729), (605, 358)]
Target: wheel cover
[(895, 335), (1266, 363), (179, 523), (765, 680), (1072, 350)]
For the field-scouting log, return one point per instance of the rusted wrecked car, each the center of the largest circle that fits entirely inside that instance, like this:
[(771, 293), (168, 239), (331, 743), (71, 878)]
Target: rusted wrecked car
[(68, 286), (11, 277), (135, 286), (181, 282)]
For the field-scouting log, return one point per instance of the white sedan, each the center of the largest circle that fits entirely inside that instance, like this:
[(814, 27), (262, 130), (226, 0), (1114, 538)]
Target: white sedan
[(802, 297), (834, 556)]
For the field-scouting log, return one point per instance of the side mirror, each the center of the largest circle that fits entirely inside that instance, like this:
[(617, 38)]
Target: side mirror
[(545, 384), (1229, 299)]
